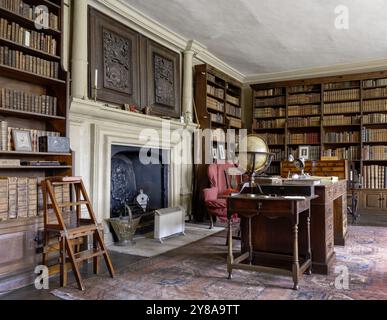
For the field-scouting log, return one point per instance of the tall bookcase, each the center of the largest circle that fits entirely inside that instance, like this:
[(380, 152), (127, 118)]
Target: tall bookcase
[(218, 103), (34, 97), (342, 116)]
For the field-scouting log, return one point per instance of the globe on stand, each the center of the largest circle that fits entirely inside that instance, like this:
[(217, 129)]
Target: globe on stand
[(254, 158)]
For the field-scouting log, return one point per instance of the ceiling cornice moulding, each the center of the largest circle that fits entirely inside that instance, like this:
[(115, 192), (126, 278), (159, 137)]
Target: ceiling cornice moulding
[(338, 69)]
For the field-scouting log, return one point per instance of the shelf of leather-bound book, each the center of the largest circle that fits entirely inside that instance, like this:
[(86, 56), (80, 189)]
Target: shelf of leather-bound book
[(273, 96), (26, 22), (341, 143), (317, 103), (18, 74), (29, 50), (52, 5), (268, 129), (29, 114), (341, 100), (221, 99), (301, 128), (339, 126)]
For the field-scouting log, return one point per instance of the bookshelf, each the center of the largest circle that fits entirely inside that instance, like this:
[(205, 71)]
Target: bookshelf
[(344, 117), (34, 92), (218, 103)]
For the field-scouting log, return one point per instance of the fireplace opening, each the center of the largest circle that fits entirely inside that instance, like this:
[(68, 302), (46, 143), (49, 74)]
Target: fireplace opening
[(131, 178)]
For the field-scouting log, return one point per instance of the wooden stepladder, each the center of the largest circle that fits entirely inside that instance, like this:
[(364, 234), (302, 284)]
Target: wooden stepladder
[(69, 236)]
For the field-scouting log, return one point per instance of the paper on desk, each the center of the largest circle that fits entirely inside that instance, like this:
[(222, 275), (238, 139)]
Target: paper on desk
[(295, 197)]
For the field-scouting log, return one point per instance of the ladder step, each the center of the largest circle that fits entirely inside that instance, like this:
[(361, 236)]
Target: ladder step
[(84, 255), (72, 204)]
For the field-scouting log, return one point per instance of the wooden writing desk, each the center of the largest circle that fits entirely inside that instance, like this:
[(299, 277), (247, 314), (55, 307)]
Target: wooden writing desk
[(328, 220), (251, 210)]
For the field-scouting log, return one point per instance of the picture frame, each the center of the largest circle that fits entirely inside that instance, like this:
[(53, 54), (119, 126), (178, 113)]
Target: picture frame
[(221, 151), (22, 140), (215, 153), (304, 152)]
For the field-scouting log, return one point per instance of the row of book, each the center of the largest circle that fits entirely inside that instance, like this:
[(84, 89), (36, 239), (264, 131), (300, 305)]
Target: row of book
[(279, 154), (348, 153), (341, 85), (340, 120), (277, 101), (23, 101), (234, 122), (215, 104), (375, 93), (274, 138), (304, 122), (217, 117), (346, 136), (374, 152), (19, 60), (232, 99), (374, 177), (374, 135), (233, 110), (304, 138), (342, 107), (374, 83), (6, 139), (304, 98), (269, 112), (22, 197), (29, 38), (304, 88), (18, 197), (375, 105), (305, 110), (273, 170), (217, 92), (350, 94), (3, 135), (269, 92), (267, 124), (30, 12), (375, 118)]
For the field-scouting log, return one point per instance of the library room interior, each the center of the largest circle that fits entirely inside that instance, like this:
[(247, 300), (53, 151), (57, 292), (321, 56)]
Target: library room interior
[(193, 150)]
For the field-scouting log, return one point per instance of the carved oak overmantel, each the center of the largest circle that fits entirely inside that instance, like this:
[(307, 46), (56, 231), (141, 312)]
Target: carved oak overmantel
[(132, 69)]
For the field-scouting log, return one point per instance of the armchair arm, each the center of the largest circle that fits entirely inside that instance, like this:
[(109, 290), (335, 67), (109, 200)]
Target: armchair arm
[(210, 194)]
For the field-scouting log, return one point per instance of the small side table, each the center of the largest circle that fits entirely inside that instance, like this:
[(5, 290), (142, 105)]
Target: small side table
[(249, 206)]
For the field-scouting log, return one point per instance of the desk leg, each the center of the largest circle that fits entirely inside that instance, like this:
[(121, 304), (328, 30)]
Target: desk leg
[(309, 250), (230, 257), (296, 264), (250, 244)]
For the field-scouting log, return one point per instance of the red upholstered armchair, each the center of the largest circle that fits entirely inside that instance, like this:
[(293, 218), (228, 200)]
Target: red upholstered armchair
[(216, 207)]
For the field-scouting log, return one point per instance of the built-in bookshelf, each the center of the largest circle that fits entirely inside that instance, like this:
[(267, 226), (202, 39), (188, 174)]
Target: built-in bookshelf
[(218, 105), (342, 117), (34, 101)]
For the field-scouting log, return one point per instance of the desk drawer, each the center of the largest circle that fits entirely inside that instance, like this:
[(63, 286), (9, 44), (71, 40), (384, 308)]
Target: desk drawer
[(255, 206)]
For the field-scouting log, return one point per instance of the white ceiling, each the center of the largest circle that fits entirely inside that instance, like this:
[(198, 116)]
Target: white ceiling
[(266, 36)]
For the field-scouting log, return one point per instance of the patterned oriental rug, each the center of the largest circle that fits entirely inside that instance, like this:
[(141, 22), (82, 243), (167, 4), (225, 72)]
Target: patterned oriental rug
[(198, 271)]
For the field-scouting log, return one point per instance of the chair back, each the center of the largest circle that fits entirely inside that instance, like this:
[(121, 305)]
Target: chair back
[(217, 177)]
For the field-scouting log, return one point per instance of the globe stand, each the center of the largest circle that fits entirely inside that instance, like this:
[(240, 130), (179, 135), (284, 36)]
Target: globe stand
[(253, 173)]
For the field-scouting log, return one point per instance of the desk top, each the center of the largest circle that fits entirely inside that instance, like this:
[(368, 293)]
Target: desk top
[(252, 196)]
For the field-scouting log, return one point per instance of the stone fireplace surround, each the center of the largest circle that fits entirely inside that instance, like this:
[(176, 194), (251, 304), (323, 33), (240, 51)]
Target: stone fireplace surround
[(95, 127)]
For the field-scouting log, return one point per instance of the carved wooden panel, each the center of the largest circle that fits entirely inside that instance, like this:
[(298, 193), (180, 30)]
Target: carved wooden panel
[(162, 79), (117, 62), (113, 51), (163, 73)]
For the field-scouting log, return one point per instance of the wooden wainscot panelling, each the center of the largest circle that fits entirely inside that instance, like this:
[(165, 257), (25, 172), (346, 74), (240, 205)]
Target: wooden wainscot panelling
[(163, 80), (113, 51)]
